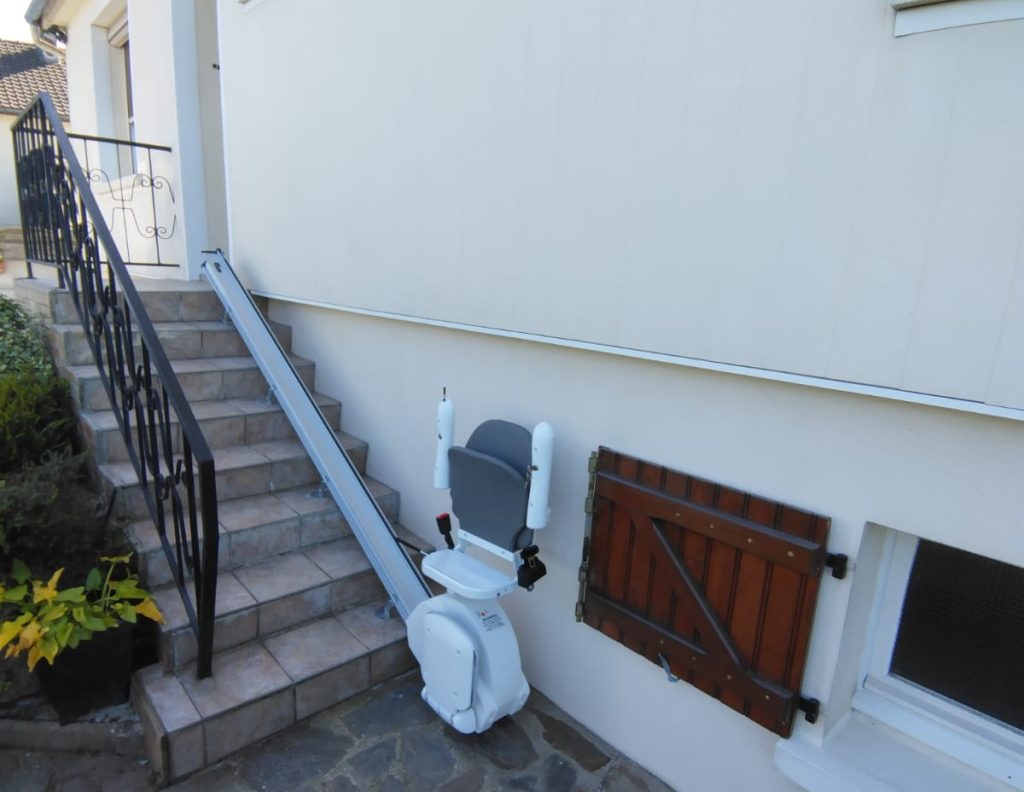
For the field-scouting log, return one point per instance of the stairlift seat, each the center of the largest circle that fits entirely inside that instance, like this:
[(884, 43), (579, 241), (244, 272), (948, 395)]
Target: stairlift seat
[(489, 486), (466, 576)]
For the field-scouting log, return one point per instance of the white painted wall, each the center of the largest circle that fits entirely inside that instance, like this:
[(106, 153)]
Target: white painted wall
[(165, 76), (10, 214), (783, 185), (946, 476)]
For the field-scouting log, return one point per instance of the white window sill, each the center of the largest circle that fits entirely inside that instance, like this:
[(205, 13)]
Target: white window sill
[(861, 754), (921, 16)]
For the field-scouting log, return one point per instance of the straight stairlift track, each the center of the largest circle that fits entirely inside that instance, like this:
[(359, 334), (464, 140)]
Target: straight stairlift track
[(399, 575)]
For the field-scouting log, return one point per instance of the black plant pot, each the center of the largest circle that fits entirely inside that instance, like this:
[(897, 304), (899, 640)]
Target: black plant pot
[(96, 673)]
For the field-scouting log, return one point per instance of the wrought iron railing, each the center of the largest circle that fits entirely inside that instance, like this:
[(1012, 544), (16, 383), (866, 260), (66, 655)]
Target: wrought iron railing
[(65, 227)]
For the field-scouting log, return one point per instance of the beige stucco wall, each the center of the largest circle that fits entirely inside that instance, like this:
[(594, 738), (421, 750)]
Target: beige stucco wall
[(921, 470)]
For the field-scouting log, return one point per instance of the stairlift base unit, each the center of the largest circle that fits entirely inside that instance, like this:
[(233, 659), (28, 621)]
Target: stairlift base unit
[(469, 659)]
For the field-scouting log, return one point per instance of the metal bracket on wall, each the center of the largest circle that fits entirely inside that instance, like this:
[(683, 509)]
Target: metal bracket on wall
[(810, 707), (839, 564)]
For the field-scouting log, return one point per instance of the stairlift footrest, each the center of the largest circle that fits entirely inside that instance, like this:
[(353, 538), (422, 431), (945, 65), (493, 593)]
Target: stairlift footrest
[(466, 576)]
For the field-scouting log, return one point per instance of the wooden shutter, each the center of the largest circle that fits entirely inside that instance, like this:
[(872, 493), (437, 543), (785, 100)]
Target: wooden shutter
[(720, 583)]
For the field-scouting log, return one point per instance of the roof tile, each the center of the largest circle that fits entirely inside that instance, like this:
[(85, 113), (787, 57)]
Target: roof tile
[(25, 70)]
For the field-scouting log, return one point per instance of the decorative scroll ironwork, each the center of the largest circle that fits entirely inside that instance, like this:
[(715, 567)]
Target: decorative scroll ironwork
[(64, 227), (136, 200)]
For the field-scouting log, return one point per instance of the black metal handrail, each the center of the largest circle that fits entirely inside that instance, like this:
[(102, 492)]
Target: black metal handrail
[(64, 227)]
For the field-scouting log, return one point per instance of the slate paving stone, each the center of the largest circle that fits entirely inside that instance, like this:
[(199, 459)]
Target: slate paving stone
[(401, 707), (338, 784), (505, 745), (373, 762), (292, 758), (559, 774), (563, 737), (470, 781), (622, 779), (426, 760), (391, 784), (522, 784)]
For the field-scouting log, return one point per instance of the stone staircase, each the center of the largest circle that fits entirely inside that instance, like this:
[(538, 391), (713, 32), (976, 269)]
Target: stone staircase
[(296, 625)]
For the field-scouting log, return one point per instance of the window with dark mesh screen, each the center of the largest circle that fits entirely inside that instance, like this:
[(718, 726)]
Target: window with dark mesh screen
[(962, 631)]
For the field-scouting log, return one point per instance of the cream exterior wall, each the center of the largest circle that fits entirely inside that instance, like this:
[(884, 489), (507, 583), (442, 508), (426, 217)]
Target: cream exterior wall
[(782, 185), (941, 475)]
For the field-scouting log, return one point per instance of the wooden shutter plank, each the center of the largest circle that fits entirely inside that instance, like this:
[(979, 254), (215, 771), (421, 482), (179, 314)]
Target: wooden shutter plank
[(794, 551)]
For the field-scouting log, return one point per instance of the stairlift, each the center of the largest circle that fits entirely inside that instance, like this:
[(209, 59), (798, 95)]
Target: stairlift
[(463, 640)]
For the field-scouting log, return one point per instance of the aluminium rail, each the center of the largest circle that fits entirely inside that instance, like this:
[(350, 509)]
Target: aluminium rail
[(400, 576)]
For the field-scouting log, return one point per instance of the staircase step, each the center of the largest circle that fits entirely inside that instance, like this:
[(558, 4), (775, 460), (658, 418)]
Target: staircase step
[(241, 471), (224, 423), (180, 340), (165, 300), (264, 686), (201, 379), (259, 527), (277, 594)]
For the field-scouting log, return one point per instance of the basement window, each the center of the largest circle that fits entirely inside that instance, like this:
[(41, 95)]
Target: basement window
[(947, 659), (921, 16)]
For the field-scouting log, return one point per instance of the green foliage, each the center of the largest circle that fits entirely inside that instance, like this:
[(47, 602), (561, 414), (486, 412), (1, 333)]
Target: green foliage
[(47, 513), (22, 349), (43, 620), (35, 418), (43, 502)]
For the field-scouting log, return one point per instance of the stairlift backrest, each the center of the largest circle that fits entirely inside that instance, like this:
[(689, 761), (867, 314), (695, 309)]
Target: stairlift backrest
[(489, 485)]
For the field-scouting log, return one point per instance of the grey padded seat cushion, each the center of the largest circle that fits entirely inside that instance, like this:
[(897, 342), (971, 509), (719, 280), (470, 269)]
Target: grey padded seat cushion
[(488, 484)]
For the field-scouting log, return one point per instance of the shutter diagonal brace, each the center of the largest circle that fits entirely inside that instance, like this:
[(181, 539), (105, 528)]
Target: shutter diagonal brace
[(720, 644)]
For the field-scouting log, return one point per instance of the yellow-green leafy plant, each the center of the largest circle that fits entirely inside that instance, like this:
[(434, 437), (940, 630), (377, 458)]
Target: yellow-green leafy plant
[(43, 621)]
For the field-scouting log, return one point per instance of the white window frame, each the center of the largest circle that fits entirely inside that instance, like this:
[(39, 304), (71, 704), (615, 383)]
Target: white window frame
[(922, 16), (975, 739)]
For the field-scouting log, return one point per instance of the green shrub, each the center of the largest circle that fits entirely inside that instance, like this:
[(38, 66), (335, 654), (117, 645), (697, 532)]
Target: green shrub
[(48, 516), (22, 349), (35, 418)]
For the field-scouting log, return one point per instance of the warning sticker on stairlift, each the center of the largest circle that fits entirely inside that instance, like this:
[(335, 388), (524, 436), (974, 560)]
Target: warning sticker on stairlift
[(490, 620)]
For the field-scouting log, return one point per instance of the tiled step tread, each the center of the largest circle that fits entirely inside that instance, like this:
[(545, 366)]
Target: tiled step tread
[(264, 686), (244, 471), (201, 378), (180, 339), (260, 526), (275, 579), (104, 420)]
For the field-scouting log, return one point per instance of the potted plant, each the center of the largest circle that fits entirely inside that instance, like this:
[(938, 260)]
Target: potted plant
[(85, 633)]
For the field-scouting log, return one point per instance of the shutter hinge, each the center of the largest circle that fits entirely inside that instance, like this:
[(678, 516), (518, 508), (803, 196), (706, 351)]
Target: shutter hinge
[(839, 564), (810, 707), (588, 504), (584, 577)]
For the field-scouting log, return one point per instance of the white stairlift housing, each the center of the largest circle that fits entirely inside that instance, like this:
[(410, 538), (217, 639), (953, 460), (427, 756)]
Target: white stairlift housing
[(463, 640)]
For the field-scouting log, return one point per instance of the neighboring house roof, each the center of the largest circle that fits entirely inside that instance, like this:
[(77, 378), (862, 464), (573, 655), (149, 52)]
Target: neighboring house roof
[(25, 71)]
